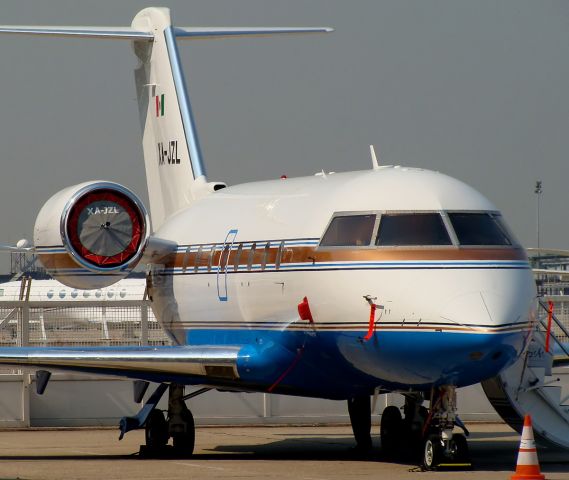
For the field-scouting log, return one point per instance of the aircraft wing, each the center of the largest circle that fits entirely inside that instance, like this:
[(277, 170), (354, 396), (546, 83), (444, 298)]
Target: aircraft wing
[(545, 271), (20, 247), (556, 252), (194, 364)]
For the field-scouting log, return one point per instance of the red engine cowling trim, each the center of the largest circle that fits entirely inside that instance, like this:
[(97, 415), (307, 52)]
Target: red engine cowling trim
[(138, 228)]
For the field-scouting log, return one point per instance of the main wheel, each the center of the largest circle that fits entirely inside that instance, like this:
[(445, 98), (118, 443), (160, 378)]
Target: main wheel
[(432, 453), (156, 430), (184, 441), (459, 448), (391, 431)]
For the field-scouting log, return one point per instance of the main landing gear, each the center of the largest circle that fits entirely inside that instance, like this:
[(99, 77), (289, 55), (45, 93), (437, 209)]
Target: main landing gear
[(177, 424), (426, 434)]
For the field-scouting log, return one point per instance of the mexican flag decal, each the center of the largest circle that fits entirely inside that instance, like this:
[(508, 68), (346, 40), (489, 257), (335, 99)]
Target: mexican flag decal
[(159, 105)]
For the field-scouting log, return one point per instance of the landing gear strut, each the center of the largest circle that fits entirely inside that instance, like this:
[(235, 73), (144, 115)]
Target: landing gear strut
[(441, 446), (402, 436), (359, 409), (181, 425), (427, 434), (178, 423)]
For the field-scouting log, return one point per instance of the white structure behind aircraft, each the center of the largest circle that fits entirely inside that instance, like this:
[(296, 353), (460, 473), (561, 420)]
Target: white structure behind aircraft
[(54, 291)]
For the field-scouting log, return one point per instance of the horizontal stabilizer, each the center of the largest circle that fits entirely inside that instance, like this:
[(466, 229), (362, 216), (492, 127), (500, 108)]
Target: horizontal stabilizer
[(226, 32), (129, 33), (116, 33), (12, 248), (175, 170), (201, 362), (22, 246)]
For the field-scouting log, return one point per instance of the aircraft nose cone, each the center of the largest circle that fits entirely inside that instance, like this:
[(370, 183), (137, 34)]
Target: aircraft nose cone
[(498, 319), (498, 299), (485, 308)]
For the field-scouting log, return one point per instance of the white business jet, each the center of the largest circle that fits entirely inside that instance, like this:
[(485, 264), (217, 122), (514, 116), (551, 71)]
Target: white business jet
[(337, 286)]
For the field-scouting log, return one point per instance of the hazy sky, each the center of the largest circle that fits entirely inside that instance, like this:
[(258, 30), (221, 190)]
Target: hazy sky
[(475, 89)]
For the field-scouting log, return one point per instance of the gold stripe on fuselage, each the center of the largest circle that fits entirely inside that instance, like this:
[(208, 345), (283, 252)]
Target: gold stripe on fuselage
[(240, 259)]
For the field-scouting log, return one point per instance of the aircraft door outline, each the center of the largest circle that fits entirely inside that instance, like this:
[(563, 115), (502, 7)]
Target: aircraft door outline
[(223, 265)]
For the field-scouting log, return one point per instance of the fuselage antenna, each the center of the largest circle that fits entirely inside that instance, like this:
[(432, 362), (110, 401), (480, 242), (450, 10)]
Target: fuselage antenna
[(374, 162)]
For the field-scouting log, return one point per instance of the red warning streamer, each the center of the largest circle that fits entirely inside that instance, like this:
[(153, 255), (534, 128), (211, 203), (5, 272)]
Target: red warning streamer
[(548, 332), (296, 359), (370, 329)]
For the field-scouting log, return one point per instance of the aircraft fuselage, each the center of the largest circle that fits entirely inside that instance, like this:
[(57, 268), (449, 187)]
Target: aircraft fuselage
[(248, 255)]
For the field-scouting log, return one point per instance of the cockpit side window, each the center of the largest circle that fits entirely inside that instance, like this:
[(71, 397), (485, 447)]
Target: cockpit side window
[(409, 229), (349, 230), (479, 228)]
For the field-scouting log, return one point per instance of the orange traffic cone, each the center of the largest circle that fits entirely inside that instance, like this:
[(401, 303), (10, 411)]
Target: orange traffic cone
[(527, 467)]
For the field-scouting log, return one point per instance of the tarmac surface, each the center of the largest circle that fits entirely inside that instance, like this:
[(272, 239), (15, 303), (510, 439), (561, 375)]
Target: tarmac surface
[(299, 453)]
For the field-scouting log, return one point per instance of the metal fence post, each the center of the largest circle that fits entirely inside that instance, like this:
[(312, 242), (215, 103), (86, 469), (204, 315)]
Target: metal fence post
[(24, 341), (267, 405), (24, 321), (144, 324)]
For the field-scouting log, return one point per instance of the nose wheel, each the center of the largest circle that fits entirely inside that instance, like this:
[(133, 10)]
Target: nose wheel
[(443, 449), (426, 435)]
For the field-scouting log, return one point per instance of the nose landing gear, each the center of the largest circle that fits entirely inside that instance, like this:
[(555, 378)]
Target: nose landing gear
[(426, 434), (442, 448)]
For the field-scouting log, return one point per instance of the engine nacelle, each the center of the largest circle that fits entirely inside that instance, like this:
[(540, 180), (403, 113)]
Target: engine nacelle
[(91, 235)]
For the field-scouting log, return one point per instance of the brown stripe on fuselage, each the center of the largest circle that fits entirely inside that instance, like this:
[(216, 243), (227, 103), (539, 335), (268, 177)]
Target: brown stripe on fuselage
[(57, 261), (317, 255), (293, 254), (355, 327)]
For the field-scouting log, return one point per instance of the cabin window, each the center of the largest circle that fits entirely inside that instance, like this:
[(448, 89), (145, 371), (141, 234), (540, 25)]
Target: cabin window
[(251, 256), (349, 230), (410, 229), (123, 293), (62, 293), (74, 293), (279, 255), (98, 293), (224, 258), (186, 259), (1, 292), (479, 229), (110, 294), (210, 259), (265, 255), (50, 294), (237, 258), (86, 294), (198, 258)]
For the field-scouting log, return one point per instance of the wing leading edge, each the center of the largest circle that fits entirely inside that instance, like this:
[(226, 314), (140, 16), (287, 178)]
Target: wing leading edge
[(194, 364)]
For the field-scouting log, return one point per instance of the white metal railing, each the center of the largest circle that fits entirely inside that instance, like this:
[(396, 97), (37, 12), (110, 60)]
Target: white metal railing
[(85, 323)]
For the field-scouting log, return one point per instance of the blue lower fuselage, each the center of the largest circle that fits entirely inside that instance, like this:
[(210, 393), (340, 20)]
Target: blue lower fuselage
[(343, 364)]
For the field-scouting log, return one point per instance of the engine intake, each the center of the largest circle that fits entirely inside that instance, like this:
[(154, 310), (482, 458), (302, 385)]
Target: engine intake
[(102, 227)]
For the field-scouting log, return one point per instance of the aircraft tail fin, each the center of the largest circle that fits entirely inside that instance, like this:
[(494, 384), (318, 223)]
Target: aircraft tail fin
[(175, 170)]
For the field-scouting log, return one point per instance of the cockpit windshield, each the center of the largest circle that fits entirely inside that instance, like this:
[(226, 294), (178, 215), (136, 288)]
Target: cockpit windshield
[(421, 229), (412, 229), (480, 228), (349, 230)]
